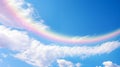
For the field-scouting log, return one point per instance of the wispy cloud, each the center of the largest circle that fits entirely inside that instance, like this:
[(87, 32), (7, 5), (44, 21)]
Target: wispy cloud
[(39, 54), (43, 55), (65, 63)]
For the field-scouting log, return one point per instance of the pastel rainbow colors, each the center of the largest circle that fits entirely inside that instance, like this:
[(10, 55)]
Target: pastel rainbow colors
[(12, 15)]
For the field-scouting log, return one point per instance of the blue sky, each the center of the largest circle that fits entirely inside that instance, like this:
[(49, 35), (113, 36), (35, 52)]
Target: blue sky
[(22, 48), (83, 16)]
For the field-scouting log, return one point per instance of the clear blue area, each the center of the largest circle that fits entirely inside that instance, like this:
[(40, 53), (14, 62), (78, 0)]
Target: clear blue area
[(80, 17)]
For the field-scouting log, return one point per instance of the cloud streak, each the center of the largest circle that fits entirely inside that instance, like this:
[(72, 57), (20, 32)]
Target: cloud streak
[(39, 54)]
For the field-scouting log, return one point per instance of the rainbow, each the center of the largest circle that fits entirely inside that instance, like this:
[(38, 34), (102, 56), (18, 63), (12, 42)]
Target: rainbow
[(11, 14)]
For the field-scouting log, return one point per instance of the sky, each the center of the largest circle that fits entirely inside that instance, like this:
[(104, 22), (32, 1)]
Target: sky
[(59, 33)]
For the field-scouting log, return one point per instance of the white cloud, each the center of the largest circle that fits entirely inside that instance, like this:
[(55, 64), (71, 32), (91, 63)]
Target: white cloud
[(36, 53), (65, 63), (110, 64), (13, 39), (25, 13), (43, 55)]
